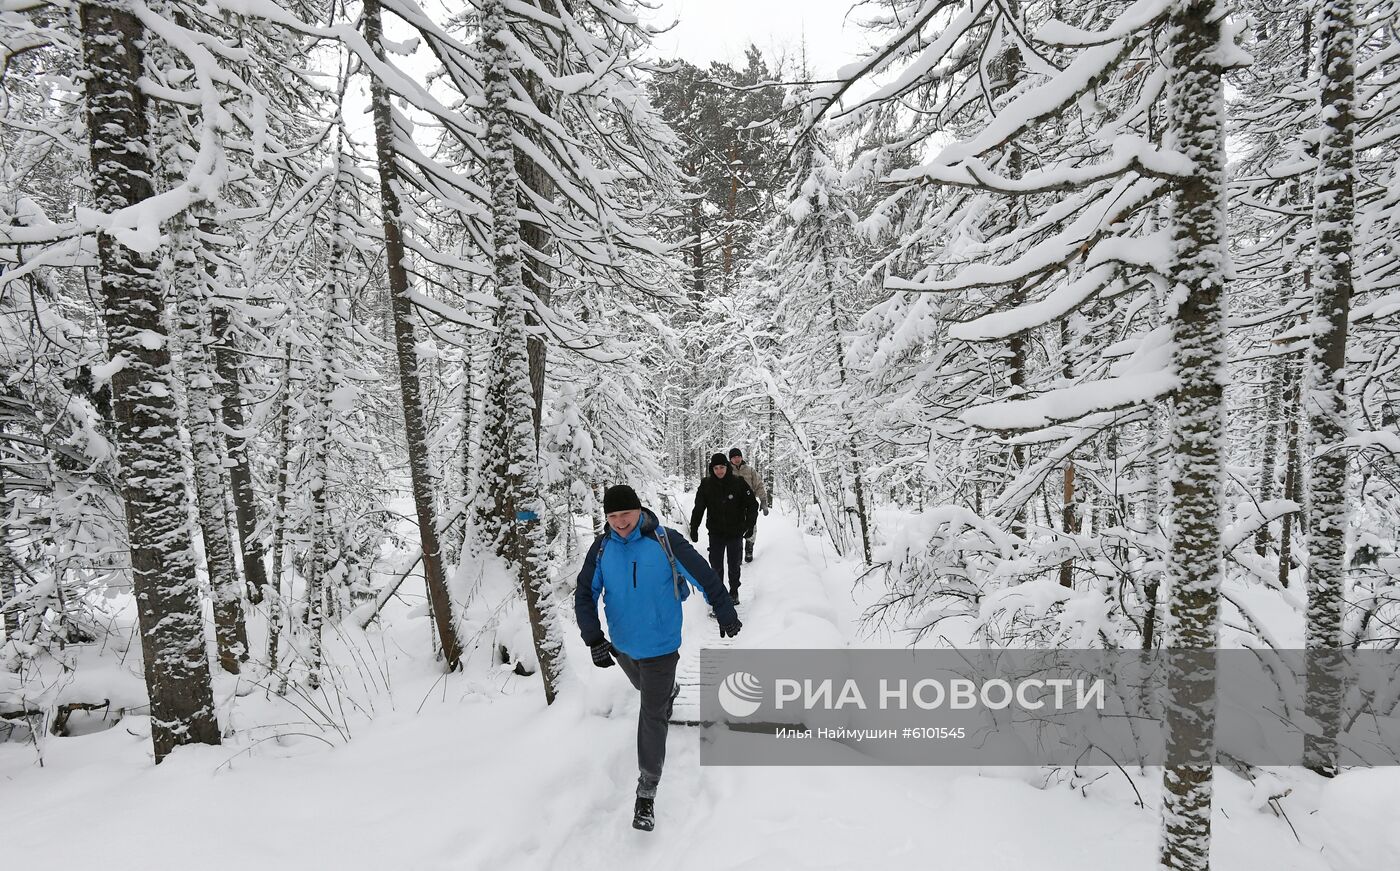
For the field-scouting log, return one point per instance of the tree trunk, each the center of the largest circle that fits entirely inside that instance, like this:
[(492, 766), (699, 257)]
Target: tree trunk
[(512, 506), (733, 206), (410, 390), (771, 460), (318, 435), (277, 614), (1292, 479), (839, 344), (1069, 518), (1273, 420), (1335, 204), (1016, 343), (230, 632), (470, 444), (1195, 563), (697, 248), (538, 241), (1069, 510), (240, 472), (153, 490), (9, 568), (334, 314)]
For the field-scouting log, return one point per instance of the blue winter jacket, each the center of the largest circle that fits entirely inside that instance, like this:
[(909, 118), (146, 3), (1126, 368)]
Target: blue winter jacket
[(640, 595)]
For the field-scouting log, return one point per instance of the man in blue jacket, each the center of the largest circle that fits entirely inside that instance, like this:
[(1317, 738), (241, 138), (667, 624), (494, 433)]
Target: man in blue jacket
[(641, 569)]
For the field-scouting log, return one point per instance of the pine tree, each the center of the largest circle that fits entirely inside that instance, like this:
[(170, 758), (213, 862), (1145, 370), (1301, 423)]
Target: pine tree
[(1198, 47), (405, 340), (206, 457), (162, 560), (1326, 402), (513, 508)]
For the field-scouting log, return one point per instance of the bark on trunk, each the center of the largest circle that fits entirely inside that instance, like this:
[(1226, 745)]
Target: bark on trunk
[(1273, 420), (9, 567), (277, 613), (1069, 509), (152, 483), (838, 343), (1335, 204), (539, 246), (230, 632), (1195, 563), (410, 390), (240, 472), (513, 506), (1292, 482), (771, 460)]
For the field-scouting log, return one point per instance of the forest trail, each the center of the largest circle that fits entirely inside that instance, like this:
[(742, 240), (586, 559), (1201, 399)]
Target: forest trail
[(456, 774)]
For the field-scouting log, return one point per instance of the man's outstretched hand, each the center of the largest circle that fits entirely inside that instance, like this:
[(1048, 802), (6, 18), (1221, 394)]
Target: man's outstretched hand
[(730, 630), (694, 534), (602, 653)]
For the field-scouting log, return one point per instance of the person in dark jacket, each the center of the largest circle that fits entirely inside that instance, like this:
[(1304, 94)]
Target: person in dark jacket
[(643, 572), (755, 482), (732, 511)]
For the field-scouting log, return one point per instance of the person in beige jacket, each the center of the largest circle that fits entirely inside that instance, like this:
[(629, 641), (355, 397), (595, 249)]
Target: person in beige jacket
[(755, 482)]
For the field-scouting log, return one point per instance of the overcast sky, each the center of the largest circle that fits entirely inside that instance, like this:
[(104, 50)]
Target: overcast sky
[(721, 29)]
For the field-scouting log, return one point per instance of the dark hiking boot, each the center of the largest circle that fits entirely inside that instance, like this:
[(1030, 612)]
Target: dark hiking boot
[(644, 816)]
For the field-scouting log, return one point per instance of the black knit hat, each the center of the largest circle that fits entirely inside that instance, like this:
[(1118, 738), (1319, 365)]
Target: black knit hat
[(620, 497), (735, 452), (719, 460)]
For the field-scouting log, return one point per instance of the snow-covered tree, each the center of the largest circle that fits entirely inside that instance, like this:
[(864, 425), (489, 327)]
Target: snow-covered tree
[(143, 388)]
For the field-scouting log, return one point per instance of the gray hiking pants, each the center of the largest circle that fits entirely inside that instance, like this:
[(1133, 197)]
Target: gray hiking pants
[(654, 678)]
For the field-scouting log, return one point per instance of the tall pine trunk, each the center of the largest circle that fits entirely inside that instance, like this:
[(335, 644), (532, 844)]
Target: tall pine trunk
[(1070, 518), (240, 472), (9, 568), (852, 459), (1272, 423), (1194, 565), (410, 390), (152, 482), (1292, 478), (1016, 344), (230, 631), (335, 313), (771, 460), (278, 620), (1326, 403), (512, 505), (538, 241)]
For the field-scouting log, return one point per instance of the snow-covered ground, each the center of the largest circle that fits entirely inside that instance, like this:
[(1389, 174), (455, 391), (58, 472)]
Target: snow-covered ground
[(472, 771)]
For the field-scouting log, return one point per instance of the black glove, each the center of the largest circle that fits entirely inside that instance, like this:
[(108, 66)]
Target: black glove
[(729, 630), (602, 653), (694, 534), (765, 512)]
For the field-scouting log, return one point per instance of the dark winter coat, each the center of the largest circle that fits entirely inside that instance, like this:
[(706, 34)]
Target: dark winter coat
[(729, 502), (641, 596)]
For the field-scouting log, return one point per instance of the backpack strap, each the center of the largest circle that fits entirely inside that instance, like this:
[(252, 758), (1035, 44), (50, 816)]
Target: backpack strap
[(663, 538)]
